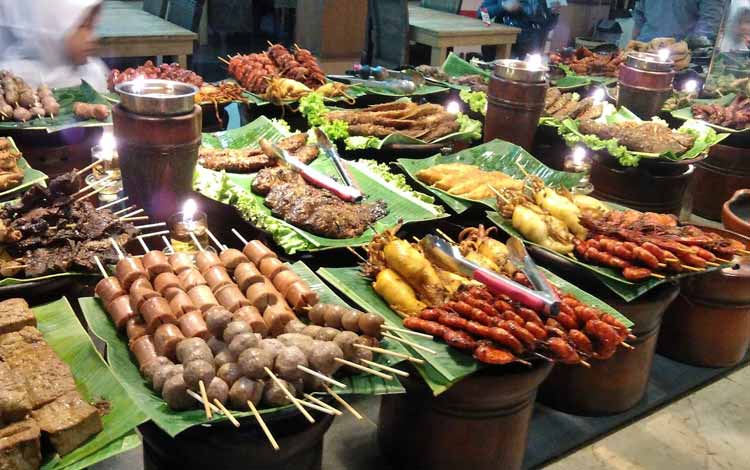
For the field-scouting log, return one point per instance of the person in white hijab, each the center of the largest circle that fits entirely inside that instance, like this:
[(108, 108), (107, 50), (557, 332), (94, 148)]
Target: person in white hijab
[(51, 42)]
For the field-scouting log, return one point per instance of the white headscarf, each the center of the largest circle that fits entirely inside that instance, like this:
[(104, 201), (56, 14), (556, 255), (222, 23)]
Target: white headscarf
[(32, 34)]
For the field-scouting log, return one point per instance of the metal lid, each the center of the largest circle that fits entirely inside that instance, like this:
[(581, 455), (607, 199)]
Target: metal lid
[(648, 61), (157, 97), (520, 71)]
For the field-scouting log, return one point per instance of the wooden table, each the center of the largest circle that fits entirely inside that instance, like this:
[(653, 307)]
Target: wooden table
[(441, 30), (125, 31)]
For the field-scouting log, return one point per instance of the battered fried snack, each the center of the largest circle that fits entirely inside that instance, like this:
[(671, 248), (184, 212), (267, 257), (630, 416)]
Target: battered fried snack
[(467, 181), (84, 111)]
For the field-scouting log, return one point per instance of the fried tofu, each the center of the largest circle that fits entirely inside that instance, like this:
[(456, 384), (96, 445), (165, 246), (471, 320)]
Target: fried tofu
[(14, 401), (19, 446), (14, 315), (69, 421), (42, 372)]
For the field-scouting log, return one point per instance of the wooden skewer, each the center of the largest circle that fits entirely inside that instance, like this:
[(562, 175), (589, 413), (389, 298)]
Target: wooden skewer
[(661, 265), (131, 214), (223, 60), (322, 403), (200, 400), (388, 352), (204, 396), (237, 234), (542, 356), (723, 260), (263, 426), (216, 241), (404, 330), (134, 219), (143, 244), (360, 257), (87, 168), (672, 260), (158, 224), (585, 364), (712, 264), (363, 368), (410, 343), (322, 377), (444, 235), (153, 234), (692, 268), (392, 370), (119, 252), (101, 267), (626, 345), (525, 363), (124, 211), (523, 168), (167, 244), (313, 406), (115, 202), (743, 252), (289, 395), (227, 413), (657, 276), (96, 191), (343, 402), (89, 186), (197, 243)]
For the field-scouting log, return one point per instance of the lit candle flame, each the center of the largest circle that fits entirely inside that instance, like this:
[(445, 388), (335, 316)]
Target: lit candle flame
[(534, 61), (189, 208), (690, 86), (453, 107), (599, 95), (139, 83), (107, 145), (579, 156), (664, 54)]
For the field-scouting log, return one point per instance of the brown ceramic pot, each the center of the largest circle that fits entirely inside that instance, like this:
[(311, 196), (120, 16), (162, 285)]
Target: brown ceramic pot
[(480, 423), (709, 324), (718, 177), (735, 214)]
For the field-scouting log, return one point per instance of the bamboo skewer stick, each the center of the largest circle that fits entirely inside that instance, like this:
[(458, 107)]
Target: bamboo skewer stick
[(204, 396), (322, 403), (89, 186), (200, 400), (131, 214), (385, 368), (343, 402), (404, 330), (119, 252), (143, 244), (316, 407), (410, 343), (360, 257), (153, 234), (238, 235), (692, 268), (626, 345), (197, 243), (363, 368), (100, 266), (227, 413), (289, 395), (322, 377), (712, 264), (88, 167), (134, 219), (223, 60), (124, 211), (96, 191), (216, 241), (157, 224), (113, 203), (657, 276), (444, 235), (263, 426), (585, 364), (388, 352), (167, 244)]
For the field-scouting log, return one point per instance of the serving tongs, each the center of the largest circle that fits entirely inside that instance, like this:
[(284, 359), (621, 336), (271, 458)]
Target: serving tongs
[(447, 256), (521, 259), (399, 85), (324, 143), (311, 175)]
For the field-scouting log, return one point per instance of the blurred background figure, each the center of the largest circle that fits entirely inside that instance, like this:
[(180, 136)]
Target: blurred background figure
[(694, 20), (536, 18), (51, 41), (737, 31)]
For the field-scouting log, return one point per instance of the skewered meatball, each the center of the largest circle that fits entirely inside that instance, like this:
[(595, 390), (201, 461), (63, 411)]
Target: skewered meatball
[(234, 328), (175, 394), (323, 357), (189, 346), (149, 371), (217, 389), (243, 341), (333, 315), (273, 395), (162, 374), (229, 372), (244, 390), (217, 319), (327, 333), (345, 341), (287, 361), (271, 345), (253, 362), (294, 326), (225, 356), (305, 343), (216, 345), (198, 371)]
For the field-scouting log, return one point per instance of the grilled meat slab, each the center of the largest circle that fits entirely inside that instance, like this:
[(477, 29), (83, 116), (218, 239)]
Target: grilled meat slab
[(649, 137), (69, 421), (250, 160)]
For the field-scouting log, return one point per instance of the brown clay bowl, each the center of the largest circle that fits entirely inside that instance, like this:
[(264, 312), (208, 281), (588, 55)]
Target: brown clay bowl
[(735, 213)]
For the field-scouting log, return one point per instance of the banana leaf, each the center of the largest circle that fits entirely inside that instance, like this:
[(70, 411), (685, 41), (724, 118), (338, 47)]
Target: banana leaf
[(174, 422), (375, 181), (84, 93), (12, 281), (248, 135), (705, 138), (686, 114), (95, 381), (360, 89), (572, 82), (496, 155), (571, 78), (455, 66), (449, 365), (30, 175)]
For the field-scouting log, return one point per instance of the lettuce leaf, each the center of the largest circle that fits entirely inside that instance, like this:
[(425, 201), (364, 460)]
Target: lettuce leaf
[(477, 100), (398, 180)]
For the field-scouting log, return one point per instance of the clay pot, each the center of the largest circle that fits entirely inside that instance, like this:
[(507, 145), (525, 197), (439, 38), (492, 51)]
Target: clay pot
[(725, 171), (735, 214)]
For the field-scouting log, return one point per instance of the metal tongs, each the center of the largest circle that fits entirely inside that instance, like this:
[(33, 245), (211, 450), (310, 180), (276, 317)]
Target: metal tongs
[(399, 85), (324, 143), (448, 257), (311, 175)]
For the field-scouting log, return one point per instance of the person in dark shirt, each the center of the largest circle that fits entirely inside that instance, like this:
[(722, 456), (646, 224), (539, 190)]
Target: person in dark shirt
[(679, 19), (534, 17)]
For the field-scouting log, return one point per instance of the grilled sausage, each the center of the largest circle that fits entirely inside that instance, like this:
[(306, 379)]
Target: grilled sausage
[(271, 267), (231, 258), (252, 317), (246, 275), (300, 295), (166, 338), (128, 269), (138, 295), (120, 311), (135, 328), (193, 325), (231, 297), (256, 251), (202, 297), (217, 277), (190, 278), (276, 317), (143, 350), (164, 281), (206, 259), (156, 311), (284, 280), (181, 304), (261, 295), (156, 262), (108, 289), (180, 261)]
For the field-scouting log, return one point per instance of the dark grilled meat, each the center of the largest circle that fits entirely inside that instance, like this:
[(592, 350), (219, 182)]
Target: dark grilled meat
[(650, 137), (250, 160), (270, 177)]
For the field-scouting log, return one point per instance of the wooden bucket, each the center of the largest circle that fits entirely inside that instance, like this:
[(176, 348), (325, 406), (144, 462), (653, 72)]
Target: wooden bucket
[(224, 446), (480, 423), (718, 177), (549, 148), (709, 324), (619, 383)]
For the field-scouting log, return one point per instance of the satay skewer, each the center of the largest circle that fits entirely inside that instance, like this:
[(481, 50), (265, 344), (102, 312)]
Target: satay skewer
[(113, 203), (88, 167), (157, 224), (385, 368), (388, 352), (196, 241), (204, 396), (404, 330), (100, 266), (363, 368), (166, 243), (131, 214), (216, 241), (143, 244), (227, 413), (200, 400), (117, 248), (322, 403), (289, 395), (322, 377), (262, 425), (153, 234), (657, 276), (96, 191), (89, 186), (316, 407), (124, 211), (409, 343), (238, 235), (134, 219), (343, 402)]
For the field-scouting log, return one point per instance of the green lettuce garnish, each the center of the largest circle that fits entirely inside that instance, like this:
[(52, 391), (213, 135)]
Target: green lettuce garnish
[(468, 126), (383, 171), (477, 100)]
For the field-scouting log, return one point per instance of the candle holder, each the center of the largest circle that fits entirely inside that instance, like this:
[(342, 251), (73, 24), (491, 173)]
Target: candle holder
[(181, 225), (106, 174), (579, 162)]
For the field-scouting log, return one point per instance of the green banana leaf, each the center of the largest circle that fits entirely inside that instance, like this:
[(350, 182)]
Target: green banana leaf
[(65, 119), (95, 381), (455, 66), (572, 82), (705, 138), (174, 422), (686, 114), (30, 175), (449, 365), (248, 135), (371, 89), (496, 155), (376, 181), (11, 281), (571, 78)]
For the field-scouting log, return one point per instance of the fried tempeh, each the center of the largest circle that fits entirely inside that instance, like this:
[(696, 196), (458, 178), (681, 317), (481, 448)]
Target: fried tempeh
[(69, 421), (14, 315), (14, 400), (20, 448)]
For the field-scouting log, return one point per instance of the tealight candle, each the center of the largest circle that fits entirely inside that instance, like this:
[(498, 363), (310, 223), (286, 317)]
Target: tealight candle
[(453, 107), (534, 61), (690, 86), (105, 154), (599, 95), (578, 161), (186, 222)]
